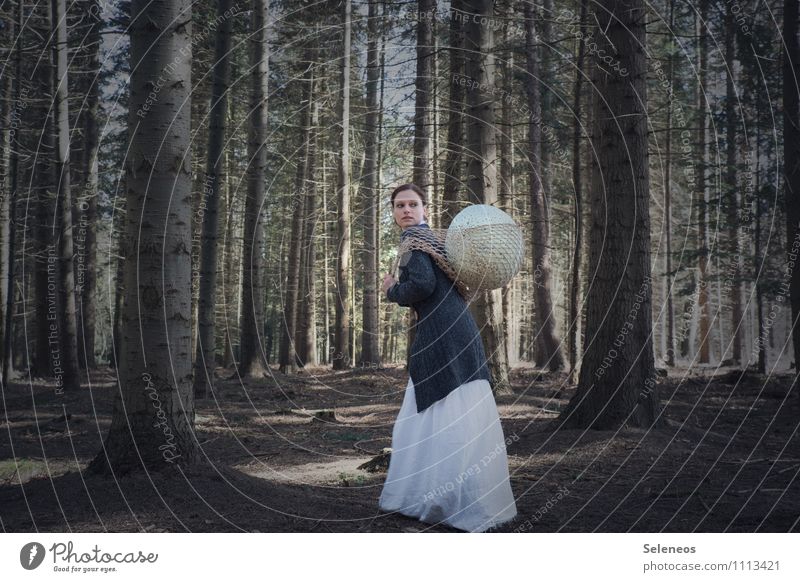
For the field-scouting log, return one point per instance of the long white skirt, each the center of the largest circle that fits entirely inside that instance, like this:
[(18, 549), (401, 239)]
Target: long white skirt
[(449, 462)]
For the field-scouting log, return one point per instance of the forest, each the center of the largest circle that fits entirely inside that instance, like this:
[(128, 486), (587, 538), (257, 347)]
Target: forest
[(195, 215)]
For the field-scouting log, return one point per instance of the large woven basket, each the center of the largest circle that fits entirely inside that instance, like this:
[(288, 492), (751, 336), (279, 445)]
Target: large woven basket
[(485, 247)]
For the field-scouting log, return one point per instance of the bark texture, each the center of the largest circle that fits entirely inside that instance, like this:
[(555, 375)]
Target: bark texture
[(617, 383), (152, 426)]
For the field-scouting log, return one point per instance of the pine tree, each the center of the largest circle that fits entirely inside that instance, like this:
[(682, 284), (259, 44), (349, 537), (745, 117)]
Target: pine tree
[(617, 384), (152, 425)]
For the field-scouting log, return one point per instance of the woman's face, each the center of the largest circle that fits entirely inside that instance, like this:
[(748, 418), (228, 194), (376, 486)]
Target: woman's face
[(408, 209)]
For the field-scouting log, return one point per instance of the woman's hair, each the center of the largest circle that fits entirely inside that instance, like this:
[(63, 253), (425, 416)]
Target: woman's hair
[(413, 188)]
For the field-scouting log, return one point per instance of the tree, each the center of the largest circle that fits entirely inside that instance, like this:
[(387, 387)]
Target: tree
[(424, 94), (87, 277), (733, 275), (8, 193), (455, 118), (152, 426), (307, 324), (791, 160), (549, 353), (669, 321), (252, 363), (291, 307), (617, 383), (214, 179), (577, 182), (342, 358), (44, 241), (506, 190), (482, 169), (370, 354), (67, 355), (701, 204)]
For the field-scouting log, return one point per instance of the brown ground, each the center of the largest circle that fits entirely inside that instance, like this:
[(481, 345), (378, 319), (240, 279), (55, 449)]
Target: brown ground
[(728, 460)]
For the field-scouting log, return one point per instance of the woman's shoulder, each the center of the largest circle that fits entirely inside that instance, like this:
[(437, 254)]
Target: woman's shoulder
[(415, 254)]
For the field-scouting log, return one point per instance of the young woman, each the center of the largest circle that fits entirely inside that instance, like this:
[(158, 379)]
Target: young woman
[(448, 462)]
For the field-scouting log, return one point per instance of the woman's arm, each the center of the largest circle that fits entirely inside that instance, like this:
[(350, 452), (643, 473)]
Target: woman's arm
[(420, 284)]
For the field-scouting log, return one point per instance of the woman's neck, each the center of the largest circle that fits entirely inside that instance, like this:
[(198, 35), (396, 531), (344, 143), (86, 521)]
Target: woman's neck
[(423, 223)]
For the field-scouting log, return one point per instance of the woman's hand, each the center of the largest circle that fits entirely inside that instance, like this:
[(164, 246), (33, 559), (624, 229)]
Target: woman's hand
[(388, 281)]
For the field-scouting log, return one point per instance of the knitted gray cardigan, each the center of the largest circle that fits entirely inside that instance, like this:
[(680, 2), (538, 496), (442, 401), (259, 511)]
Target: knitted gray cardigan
[(447, 350)]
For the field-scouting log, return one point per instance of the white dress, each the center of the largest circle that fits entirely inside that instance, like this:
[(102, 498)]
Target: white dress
[(449, 463)]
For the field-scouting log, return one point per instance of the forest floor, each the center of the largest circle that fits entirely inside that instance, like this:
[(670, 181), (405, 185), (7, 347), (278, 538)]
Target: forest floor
[(727, 459)]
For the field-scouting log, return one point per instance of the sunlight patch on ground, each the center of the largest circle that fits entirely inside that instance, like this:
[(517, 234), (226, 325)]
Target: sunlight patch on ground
[(24, 469), (526, 411), (340, 472)]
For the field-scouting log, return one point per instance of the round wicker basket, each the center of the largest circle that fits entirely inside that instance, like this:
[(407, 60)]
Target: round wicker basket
[(485, 247)]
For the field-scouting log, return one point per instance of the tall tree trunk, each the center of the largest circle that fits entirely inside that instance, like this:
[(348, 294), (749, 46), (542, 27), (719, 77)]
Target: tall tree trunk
[(669, 332), (232, 257), (791, 160), (252, 362), (205, 361), (479, 66), (424, 83), (307, 337), (617, 379), (455, 120), (701, 203), (7, 102), (370, 353), (758, 260), (577, 181), (8, 191), (152, 426), (546, 91), (379, 168), (288, 357), (342, 359), (119, 296), (45, 270), (506, 182), (733, 275), (329, 339), (590, 164), (66, 357), (436, 139), (549, 354), (482, 171), (87, 277)]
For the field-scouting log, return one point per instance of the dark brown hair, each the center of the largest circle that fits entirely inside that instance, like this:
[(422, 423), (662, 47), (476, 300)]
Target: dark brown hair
[(413, 188)]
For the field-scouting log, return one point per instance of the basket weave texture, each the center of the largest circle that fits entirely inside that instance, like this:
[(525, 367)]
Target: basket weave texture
[(482, 250)]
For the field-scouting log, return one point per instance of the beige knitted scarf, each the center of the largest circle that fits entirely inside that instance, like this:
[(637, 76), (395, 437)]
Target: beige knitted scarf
[(430, 241)]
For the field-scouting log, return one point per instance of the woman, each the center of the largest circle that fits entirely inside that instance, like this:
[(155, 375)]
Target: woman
[(448, 462)]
